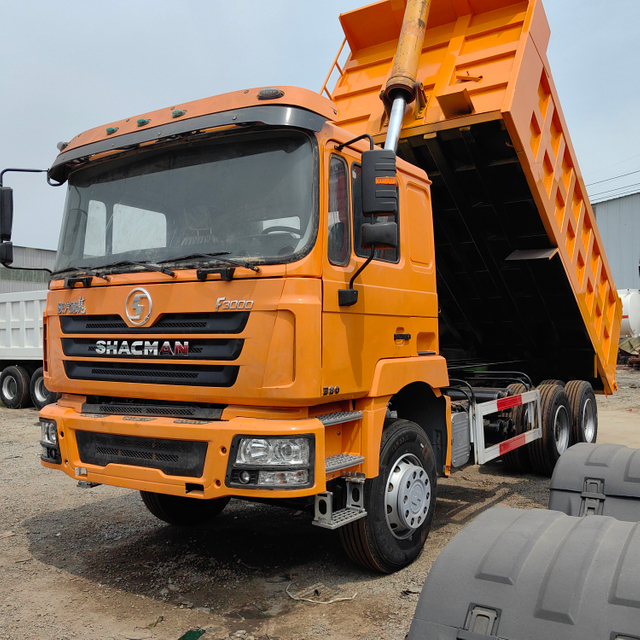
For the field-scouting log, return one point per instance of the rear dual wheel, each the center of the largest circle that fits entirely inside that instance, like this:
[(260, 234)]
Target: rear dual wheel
[(40, 395), (14, 387), (517, 461), (400, 502), (557, 421), (585, 411)]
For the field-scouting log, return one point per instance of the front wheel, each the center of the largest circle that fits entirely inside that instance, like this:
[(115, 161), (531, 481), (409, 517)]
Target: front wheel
[(400, 502), (182, 511)]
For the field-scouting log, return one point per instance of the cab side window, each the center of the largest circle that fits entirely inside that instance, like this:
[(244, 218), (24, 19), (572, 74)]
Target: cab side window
[(386, 255), (339, 243)]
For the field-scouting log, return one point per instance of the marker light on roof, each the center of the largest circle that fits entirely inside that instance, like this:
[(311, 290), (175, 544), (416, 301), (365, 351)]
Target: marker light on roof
[(270, 93)]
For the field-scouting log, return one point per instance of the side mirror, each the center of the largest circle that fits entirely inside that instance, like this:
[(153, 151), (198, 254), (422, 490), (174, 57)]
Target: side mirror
[(383, 235), (379, 182), (6, 253), (6, 213)]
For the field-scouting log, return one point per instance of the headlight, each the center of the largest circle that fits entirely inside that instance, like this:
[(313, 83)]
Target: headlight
[(271, 462), (273, 452), (49, 430)]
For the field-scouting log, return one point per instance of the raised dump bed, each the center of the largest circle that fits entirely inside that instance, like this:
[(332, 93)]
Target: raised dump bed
[(523, 281)]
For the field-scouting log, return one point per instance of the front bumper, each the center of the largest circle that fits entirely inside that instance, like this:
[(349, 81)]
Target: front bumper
[(218, 435)]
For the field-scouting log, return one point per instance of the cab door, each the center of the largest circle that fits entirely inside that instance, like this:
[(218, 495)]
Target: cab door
[(380, 324)]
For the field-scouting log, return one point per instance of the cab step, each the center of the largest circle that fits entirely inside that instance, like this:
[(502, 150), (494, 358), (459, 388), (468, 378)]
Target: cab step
[(338, 417), (341, 461), (327, 518)]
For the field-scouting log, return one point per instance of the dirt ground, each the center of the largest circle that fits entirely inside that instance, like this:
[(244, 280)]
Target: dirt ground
[(94, 564)]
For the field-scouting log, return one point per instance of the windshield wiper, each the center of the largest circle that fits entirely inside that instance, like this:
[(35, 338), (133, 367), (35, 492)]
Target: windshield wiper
[(86, 271), (145, 265), (216, 256)]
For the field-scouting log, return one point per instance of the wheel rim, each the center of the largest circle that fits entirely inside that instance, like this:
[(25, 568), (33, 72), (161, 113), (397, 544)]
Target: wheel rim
[(408, 496), (561, 429), (589, 420), (40, 391), (9, 388)]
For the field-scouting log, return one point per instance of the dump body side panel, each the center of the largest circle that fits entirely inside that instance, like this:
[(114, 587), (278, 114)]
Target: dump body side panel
[(522, 275), (21, 325)]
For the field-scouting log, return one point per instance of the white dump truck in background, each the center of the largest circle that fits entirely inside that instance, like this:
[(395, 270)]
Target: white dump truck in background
[(21, 380)]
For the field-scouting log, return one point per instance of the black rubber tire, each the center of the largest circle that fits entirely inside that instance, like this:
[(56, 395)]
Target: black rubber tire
[(552, 381), (585, 411), (544, 453), (369, 541), (40, 395), (517, 461), (182, 511), (14, 387)]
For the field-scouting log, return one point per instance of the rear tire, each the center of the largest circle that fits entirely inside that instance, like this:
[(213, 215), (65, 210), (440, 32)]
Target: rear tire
[(552, 381), (585, 411), (557, 420), (40, 395), (14, 387), (182, 511), (517, 461), (400, 502)]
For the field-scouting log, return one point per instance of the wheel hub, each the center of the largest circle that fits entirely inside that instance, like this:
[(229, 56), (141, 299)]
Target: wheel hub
[(561, 429), (589, 421), (40, 391), (10, 388), (408, 496)]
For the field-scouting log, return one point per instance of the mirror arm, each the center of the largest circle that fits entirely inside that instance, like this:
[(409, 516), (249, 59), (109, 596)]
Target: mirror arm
[(20, 171), (363, 267), (348, 297), (6, 266), (340, 147)]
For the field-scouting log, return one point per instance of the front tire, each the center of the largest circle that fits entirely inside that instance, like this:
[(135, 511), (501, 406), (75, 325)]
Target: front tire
[(400, 502), (585, 411), (14, 387), (183, 511)]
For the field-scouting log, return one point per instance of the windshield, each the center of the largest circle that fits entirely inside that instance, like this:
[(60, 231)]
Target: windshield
[(250, 195)]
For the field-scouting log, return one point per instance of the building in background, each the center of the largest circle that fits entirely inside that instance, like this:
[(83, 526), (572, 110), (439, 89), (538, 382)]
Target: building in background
[(619, 224), (12, 280)]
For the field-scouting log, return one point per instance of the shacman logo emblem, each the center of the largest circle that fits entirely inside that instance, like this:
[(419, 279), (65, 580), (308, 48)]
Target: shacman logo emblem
[(138, 302)]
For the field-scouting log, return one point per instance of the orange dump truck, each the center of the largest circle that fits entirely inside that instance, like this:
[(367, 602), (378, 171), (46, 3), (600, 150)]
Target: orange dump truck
[(254, 299)]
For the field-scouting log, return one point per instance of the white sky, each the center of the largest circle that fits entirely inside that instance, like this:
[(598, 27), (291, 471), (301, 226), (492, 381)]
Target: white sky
[(71, 65)]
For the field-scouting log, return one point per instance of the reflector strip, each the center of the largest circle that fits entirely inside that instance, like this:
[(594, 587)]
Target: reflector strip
[(509, 402)]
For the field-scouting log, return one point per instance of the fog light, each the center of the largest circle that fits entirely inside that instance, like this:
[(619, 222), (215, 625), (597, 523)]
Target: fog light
[(49, 432), (244, 477), (282, 452), (273, 478)]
